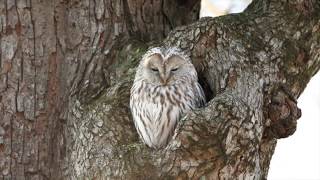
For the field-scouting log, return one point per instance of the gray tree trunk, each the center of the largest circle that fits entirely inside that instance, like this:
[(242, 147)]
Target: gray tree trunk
[(66, 68)]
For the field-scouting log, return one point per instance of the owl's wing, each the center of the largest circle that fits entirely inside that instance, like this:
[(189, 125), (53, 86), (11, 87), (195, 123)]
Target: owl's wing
[(200, 96)]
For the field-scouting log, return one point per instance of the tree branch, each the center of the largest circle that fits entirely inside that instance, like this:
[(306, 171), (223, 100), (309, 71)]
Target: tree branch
[(242, 60)]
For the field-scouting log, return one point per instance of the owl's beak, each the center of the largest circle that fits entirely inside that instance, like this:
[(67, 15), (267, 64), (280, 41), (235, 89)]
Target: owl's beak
[(164, 79)]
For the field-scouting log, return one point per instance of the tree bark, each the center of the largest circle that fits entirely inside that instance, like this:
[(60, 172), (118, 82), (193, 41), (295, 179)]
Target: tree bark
[(66, 68)]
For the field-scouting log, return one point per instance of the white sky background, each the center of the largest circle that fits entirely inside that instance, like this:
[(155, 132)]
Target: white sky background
[(298, 156)]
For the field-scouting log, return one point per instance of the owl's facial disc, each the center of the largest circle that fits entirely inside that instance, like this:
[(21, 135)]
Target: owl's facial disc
[(171, 69), (164, 72)]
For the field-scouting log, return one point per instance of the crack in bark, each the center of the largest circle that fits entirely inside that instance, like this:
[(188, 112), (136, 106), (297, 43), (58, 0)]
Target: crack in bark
[(11, 146), (34, 63)]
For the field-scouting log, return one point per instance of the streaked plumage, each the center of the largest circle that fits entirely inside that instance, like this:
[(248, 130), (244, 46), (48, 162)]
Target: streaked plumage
[(165, 87)]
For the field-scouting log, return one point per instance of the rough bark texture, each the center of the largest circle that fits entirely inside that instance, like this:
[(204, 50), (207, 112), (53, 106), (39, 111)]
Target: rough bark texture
[(66, 68)]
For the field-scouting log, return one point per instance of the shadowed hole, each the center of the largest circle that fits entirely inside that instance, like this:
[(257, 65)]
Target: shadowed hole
[(206, 87)]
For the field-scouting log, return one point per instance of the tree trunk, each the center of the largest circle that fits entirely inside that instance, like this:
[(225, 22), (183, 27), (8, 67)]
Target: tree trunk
[(66, 68)]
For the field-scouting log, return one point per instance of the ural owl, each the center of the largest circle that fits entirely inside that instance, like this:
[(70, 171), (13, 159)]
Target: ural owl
[(165, 87)]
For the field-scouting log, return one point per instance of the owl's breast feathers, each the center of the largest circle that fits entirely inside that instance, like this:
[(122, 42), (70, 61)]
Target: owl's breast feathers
[(156, 109)]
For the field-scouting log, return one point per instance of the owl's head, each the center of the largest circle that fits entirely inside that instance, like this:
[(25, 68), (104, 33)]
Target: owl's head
[(165, 67)]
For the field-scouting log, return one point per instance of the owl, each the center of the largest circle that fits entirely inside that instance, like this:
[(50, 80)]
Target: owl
[(165, 87)]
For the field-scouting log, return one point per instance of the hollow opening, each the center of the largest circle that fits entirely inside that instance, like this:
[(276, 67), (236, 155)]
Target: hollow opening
[(209, 93)]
